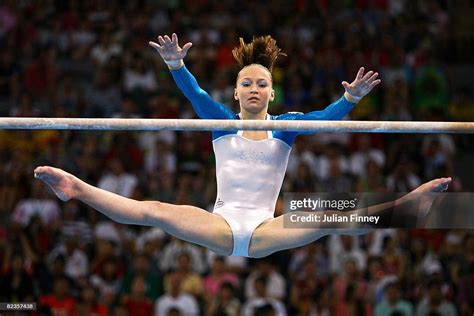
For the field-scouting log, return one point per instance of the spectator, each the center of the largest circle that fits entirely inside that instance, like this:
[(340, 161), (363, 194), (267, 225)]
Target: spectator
[(128, 109), (434, 302), (76, 261), (261, 301), (336, 180), (105, 49), (141, 268), (332, 154), (138, 78), (238, 265), (174, 298), (342, 248), (363, 154), (190, 281), (403, 178), (373, 180), (40, 75), (438, 151), (76, 228), (307, 285), (160, 159), (303, 180), (107, 282), (117, 180), (393, 303), (314, 254), (50, 273), (39, 204), (431, 85), (60, 302), (137, 302), (274, 282), (174, 248), (217, 277), (349, 289), (88, 304), (393, 258), (102, 98), (224, 302), (16, 284)]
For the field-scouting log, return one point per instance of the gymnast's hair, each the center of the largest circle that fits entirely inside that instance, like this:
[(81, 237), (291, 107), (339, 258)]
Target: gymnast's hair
[(262, 50)]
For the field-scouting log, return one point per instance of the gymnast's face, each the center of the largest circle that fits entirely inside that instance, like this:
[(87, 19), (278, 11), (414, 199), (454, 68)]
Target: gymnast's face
[(254, 89)]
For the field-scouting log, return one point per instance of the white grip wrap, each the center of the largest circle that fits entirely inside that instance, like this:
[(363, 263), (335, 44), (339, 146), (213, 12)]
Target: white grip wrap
[(174, 64)]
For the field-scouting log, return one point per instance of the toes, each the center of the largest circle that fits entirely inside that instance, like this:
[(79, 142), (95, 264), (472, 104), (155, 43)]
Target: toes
[(441, 184)]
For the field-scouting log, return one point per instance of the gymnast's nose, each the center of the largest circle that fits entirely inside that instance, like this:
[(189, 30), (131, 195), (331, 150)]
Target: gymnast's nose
[(254, 89)]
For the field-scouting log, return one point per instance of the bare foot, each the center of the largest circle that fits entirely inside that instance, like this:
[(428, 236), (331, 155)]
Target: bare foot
[(436, 185), (427, 194), (61, 182)]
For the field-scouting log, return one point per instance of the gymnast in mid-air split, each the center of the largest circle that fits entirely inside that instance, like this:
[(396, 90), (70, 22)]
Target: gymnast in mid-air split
[(250, 165)]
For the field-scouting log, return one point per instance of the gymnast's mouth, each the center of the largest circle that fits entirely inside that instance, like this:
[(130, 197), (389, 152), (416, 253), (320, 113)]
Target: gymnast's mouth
[(253, 99)]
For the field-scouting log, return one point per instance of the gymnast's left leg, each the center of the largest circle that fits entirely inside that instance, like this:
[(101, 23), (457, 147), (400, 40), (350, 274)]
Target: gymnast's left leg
[(271, 236), (186, 222)]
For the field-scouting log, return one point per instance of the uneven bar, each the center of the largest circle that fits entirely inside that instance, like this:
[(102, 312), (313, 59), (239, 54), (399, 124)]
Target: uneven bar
[(43, 123)]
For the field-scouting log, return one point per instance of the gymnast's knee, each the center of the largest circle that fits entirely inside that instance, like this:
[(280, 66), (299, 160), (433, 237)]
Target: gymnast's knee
[(156, 209), (154, 205)]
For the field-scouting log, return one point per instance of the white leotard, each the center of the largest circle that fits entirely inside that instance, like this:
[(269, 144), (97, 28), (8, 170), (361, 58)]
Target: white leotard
[(249, 177)]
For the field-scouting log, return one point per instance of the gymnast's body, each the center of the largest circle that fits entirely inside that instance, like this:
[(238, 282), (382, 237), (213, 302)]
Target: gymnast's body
[(250, 165)]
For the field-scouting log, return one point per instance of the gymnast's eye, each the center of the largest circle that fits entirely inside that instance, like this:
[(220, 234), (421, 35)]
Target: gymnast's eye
[(245, 84), (262, 84)]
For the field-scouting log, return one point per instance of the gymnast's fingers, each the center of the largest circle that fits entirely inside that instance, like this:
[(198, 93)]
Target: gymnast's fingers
[(360, 73), (367, 75), (374, 83), (373, 77), (154, 45), (186, 47)]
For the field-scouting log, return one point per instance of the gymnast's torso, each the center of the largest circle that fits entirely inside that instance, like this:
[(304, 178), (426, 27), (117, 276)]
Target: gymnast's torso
[(249, 174)]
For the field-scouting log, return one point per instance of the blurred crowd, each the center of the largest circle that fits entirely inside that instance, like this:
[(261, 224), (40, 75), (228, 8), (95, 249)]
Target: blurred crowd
[(92, 59)]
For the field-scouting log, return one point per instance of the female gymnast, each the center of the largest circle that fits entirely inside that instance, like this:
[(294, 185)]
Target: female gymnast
[(250, 165)]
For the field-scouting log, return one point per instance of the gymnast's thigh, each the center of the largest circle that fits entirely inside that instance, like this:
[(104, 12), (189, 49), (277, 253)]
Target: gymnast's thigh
[(271, 236), (194, 225)]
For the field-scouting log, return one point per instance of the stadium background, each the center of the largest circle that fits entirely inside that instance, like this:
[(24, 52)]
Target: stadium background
[(91, 59)]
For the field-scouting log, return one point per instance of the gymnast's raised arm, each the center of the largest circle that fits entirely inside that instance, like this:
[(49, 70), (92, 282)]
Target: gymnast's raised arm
[(173, 55), (354, 92)]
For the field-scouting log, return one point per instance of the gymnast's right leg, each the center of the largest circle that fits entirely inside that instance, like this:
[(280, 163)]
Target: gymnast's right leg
[(185, 222)]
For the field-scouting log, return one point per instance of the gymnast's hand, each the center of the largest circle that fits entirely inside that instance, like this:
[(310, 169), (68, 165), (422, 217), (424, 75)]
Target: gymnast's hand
[(361, 86), (170, 51)]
